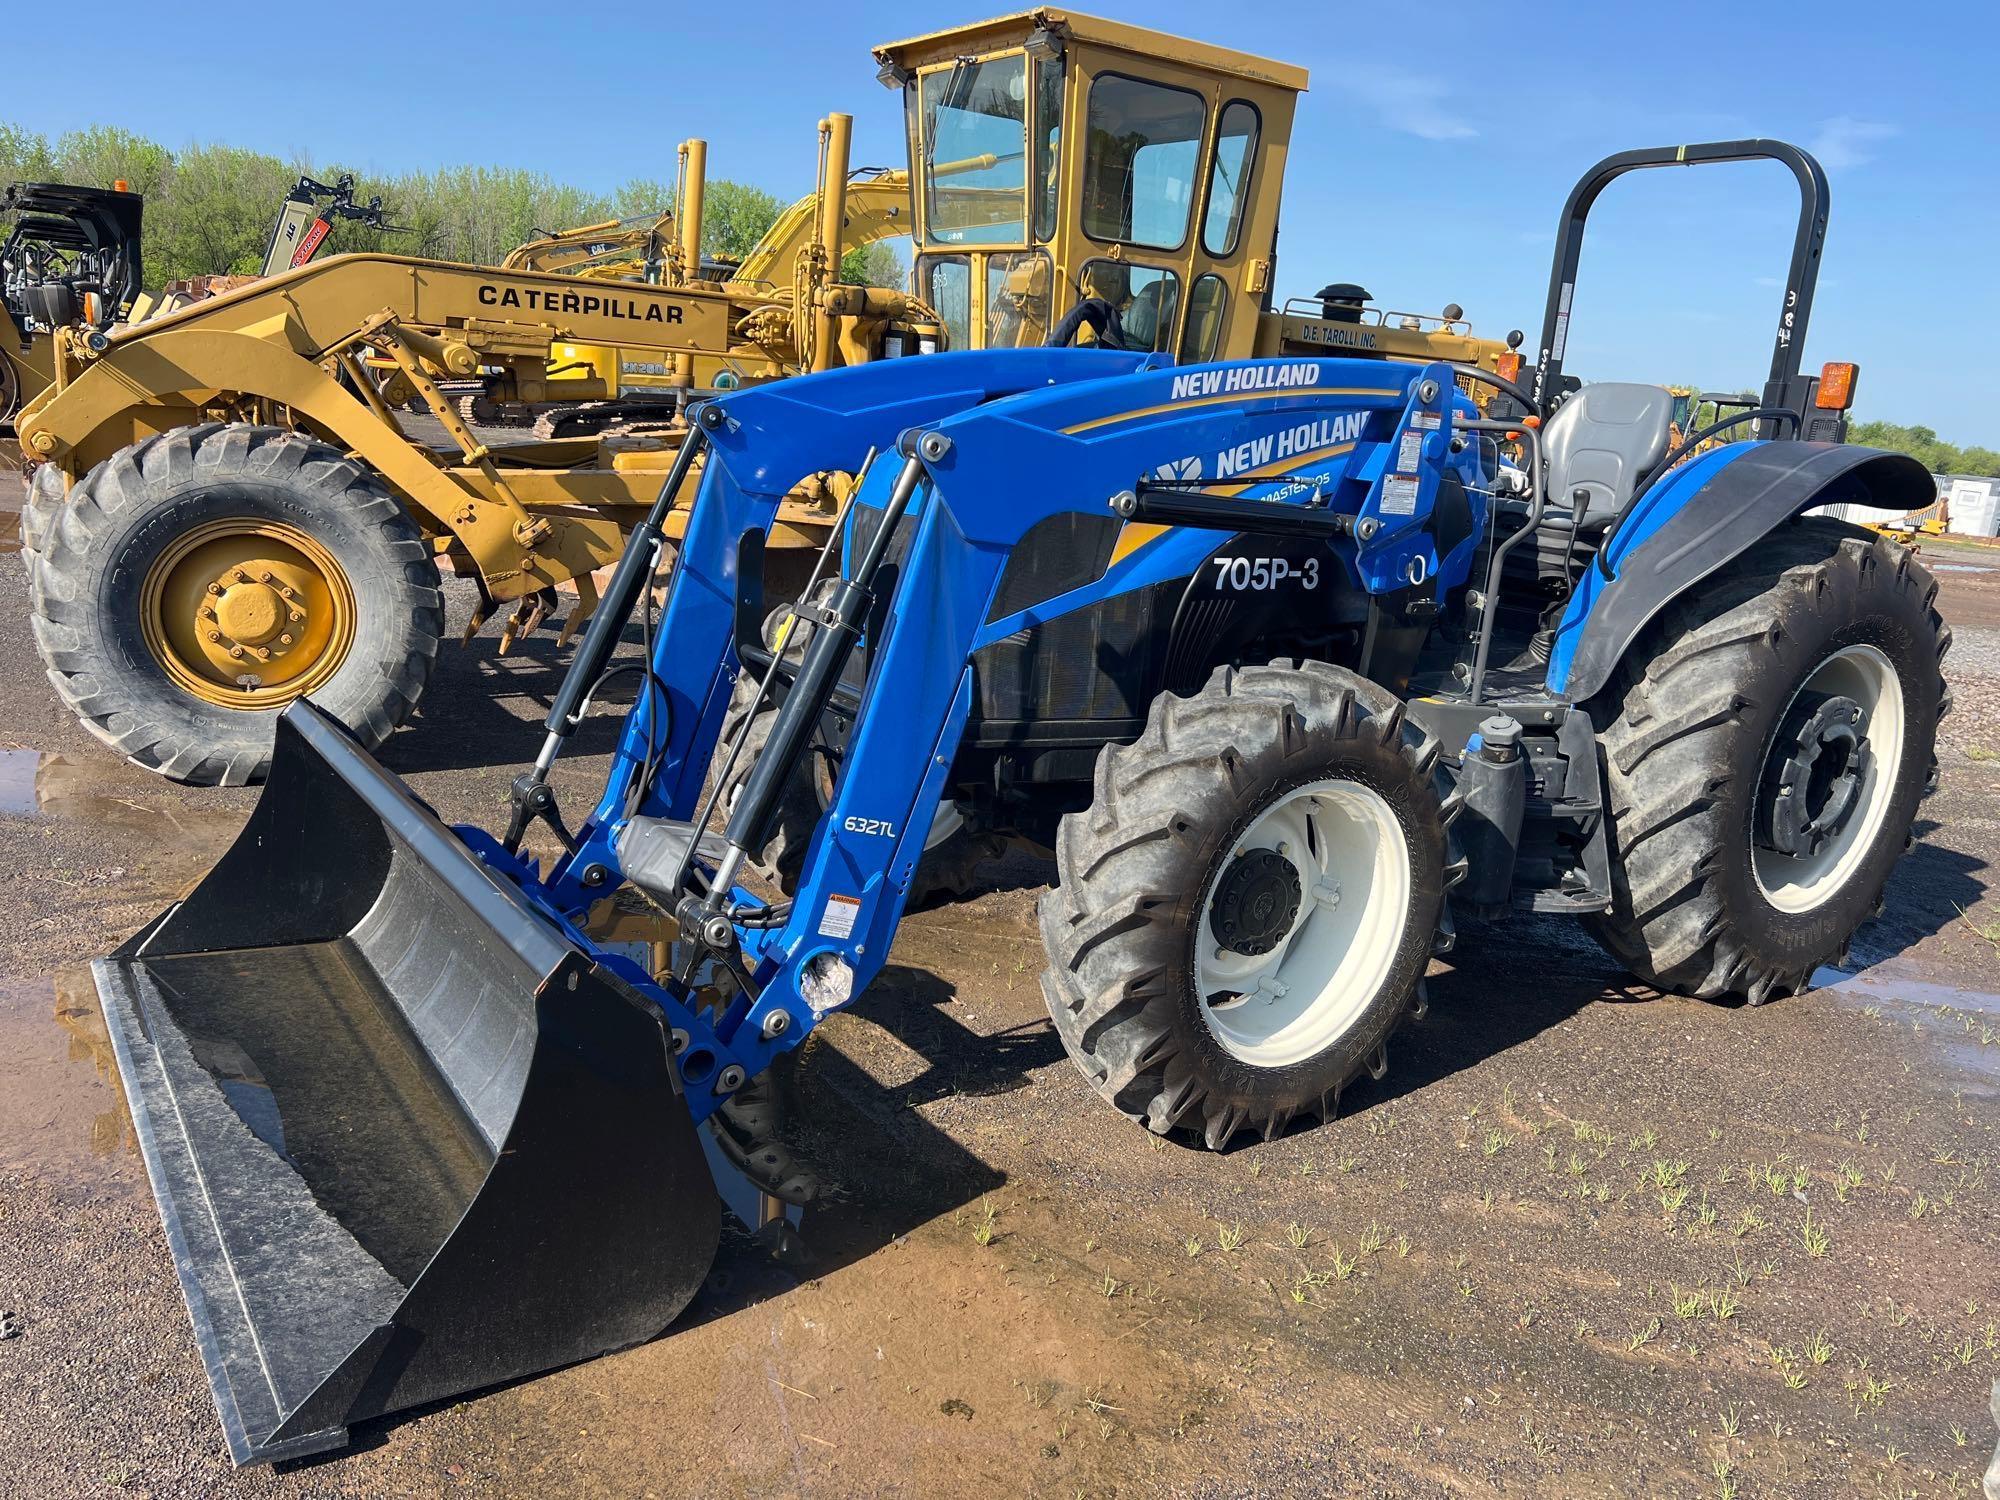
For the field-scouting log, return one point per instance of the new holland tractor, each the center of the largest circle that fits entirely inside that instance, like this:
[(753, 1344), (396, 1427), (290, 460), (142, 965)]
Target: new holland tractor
[(1280, 657)]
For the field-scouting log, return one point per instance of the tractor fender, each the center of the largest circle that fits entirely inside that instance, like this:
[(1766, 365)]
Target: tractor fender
[(1700, 517)]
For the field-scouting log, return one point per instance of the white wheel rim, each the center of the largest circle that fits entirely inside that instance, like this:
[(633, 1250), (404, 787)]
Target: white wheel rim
[(1796, 884), (1347, 849)]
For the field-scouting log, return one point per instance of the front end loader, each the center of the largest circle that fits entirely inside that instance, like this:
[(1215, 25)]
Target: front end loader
[(1265, 650)]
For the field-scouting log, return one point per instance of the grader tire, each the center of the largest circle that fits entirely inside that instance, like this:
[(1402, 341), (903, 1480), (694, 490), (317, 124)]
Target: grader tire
[(45, 498), (1173, 825), (117, 598), (1704, 724)]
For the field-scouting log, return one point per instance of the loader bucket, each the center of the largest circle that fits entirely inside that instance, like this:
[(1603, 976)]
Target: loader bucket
[(407, 1138)]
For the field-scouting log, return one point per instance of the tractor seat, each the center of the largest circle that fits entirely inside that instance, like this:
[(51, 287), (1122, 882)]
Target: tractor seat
[(1603, 441)]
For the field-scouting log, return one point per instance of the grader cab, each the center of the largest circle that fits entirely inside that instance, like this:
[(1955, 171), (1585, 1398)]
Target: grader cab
[(1064, 162)]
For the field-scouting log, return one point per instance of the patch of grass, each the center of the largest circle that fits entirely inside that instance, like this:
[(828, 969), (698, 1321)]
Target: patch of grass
[(1864, 1390), (1343, 1264), (1373, 1238), (1749, 1223), (1538, 1438), (1228, 1237), (1296, 1236), (1989, 931), (1192, 1245), (1819, 1349), (1641, 1337), (982, 1232), (1981, 753), (1816, 1240)]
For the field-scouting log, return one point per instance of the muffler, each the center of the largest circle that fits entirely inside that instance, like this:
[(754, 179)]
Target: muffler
[(407, 1137)]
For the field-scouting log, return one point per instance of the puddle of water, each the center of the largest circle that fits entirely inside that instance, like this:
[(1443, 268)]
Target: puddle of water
[(1964, 1024), (1938, 567), (17, 780), (62, 1108), (1886, 984), (42, 783)]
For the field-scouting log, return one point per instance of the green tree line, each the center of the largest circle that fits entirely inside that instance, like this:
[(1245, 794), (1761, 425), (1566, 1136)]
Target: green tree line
[(1921, 443), (209, 208), (1924, 445)]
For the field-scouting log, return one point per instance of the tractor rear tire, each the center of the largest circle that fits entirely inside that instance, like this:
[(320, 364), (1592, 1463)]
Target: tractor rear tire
[(1172, 880), (121, 561), (1704, 724)]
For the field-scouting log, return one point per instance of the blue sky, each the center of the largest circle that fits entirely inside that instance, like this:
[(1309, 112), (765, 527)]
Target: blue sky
[(1429, 159)]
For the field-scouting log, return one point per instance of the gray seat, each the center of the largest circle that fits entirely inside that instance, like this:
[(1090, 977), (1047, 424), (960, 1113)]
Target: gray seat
[(1603, 441)]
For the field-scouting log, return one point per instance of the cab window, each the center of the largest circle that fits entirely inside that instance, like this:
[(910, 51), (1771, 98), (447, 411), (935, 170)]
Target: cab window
[(1047, 141), (945, 282), (975, 119), (1204, 320), (1147, 299), (1017, 299), (1229, 178), (1143, 147)]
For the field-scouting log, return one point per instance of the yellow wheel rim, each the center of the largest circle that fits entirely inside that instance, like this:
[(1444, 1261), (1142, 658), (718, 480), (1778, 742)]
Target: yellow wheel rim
[(247, 614)]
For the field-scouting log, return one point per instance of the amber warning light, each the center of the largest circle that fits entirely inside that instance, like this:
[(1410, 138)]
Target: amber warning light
[(1836, 387)]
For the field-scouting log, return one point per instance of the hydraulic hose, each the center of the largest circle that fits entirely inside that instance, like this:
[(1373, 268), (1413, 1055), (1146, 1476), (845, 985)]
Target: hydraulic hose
[(635, 568)]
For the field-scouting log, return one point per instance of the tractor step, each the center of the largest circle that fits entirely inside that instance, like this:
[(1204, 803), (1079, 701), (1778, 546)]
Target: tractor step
[(408, 1139)]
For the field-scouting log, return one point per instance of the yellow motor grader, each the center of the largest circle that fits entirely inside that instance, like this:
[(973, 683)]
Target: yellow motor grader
[(229, 514)]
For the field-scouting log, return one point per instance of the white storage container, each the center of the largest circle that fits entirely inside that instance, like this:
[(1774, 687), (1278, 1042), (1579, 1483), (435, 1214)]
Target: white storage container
[(1975, 506)]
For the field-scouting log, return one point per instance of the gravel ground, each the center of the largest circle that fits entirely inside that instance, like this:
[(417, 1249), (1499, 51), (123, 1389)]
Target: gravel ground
[(1566, 1246)]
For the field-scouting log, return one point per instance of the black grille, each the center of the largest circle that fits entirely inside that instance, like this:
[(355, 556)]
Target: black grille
[(1058, 553)]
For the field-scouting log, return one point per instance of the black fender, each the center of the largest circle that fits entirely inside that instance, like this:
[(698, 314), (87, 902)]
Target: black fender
[(1702, 516)]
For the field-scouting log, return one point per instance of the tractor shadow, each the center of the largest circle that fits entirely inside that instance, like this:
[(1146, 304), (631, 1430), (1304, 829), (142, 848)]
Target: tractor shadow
[(857, 1116), (894, 1170), (1509, 981), (1928, 890)]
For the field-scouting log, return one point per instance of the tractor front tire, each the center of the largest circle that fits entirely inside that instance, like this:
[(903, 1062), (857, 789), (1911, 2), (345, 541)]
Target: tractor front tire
[(1246, 909), (193, 584), (1766, 745)]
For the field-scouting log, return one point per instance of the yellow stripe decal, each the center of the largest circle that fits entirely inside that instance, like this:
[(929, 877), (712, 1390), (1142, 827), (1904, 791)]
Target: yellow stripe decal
[(1135, 534), (1232, 396)]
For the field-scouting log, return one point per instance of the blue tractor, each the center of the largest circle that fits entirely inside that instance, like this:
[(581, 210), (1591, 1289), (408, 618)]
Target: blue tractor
[(1289, 661)]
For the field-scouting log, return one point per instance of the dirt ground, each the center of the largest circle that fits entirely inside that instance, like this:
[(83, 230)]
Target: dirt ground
[(1582, 1239)]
